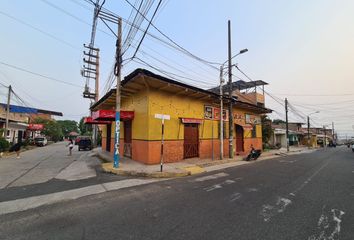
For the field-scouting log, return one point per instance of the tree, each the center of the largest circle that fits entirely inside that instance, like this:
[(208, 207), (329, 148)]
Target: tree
[(84, 128), (51, 129), (278, 121), (267, 130), (68, 126)]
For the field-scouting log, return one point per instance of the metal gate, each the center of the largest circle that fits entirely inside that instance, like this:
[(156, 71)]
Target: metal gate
[(191, 140)]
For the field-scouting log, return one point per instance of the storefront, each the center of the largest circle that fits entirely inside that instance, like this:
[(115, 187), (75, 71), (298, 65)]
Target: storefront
[(193, 128)]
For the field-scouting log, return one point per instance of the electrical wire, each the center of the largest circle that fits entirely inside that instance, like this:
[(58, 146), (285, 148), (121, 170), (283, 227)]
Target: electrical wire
[(38, 74)]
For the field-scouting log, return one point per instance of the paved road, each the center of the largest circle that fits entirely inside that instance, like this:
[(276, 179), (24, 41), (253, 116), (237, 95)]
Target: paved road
[(49, 169), (36, 166), (308, 196)]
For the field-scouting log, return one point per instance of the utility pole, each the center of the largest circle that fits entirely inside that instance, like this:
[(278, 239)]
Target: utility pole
[(231, 122), (117, 72), (333, 132), (7, 112), (308, 132), (221, 114), (287, 125), (324, 142)]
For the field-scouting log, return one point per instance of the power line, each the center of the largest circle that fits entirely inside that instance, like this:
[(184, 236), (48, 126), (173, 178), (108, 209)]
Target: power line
[(147, 28), (41, 31), (38, 74)]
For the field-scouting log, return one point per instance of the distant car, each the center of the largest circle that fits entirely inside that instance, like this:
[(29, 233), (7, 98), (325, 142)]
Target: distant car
[(85, 144), (40, 141), (353, 147)]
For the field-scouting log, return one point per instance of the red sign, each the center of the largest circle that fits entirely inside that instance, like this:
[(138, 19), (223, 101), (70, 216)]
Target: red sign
[(35, 127), (110, 115), (217, 113), (192, 120), (89, 120)]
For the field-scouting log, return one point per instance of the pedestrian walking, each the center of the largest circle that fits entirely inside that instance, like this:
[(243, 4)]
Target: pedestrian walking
[(16, 148), (70, 145)]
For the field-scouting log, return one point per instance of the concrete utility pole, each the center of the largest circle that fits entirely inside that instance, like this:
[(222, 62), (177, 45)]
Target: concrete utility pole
[(231, 122), (118, 75), (221, 114), (7, 112), (287, 124)]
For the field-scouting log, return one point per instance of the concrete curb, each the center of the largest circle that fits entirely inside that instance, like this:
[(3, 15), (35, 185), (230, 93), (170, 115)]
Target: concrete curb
[(191, 170), (108, 168)]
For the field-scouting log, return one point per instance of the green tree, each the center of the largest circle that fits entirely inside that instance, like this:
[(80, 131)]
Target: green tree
[(267, 130), (84, 128), (52, 129), (278, 121), (68, 126)]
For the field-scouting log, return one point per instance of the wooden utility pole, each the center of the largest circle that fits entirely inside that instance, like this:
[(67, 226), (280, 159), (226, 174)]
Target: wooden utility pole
[(287, 124), (118, 67), (221, 114), (308, 132), (7, 112), (231, 122)]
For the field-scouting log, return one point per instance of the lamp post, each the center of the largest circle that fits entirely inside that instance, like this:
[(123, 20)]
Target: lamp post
[(308, 128), (222, 67)]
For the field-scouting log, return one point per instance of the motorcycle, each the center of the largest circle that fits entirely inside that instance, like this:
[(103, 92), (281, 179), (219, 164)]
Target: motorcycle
[(253, 155)]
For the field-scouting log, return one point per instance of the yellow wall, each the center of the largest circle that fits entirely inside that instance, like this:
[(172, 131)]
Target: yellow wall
[(176, 106), (180, 106)]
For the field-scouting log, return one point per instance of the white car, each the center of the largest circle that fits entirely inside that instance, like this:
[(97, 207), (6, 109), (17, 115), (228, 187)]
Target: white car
[(40, 141)]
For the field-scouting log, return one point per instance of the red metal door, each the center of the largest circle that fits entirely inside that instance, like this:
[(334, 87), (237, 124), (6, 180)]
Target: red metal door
[(239, 138), (191, 140), (128, 138)]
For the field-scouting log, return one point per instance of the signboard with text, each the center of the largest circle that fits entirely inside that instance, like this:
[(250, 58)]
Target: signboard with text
[(213, 113)]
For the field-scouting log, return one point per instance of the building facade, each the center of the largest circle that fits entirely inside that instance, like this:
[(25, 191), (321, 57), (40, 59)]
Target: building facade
[(193, 127)]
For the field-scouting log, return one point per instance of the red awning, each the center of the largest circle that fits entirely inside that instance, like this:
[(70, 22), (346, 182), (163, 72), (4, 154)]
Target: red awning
[(89, 120), (110, 115), (192, 120), (35, 127)]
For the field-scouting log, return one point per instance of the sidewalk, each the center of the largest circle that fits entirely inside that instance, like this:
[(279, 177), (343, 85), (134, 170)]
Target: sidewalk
[(128, 167)]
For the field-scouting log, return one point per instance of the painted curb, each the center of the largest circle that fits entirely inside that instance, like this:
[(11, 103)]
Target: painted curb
[(108, 168)]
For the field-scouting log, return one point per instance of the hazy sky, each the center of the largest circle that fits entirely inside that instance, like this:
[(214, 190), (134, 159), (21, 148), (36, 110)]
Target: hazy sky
[(303, 49)]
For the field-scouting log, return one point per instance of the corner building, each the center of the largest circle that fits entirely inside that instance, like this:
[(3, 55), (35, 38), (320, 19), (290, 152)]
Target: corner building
[(194, 125)]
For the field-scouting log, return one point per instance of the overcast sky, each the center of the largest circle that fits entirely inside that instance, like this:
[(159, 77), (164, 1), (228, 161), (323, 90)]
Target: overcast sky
[(303, 49)]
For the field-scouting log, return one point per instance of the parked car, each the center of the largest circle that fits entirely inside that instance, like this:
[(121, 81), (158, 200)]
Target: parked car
[(40, 141), (85, 144), (78, 138)]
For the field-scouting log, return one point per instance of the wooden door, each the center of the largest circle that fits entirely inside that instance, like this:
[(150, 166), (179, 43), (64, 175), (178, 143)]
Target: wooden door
[(128, 138), (191, 140), (239, 138)]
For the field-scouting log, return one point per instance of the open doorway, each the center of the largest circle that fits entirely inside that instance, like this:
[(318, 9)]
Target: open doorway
[(239, 138)]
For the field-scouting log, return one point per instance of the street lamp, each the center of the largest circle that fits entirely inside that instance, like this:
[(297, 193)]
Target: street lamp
[(230, 107), (308, 128)]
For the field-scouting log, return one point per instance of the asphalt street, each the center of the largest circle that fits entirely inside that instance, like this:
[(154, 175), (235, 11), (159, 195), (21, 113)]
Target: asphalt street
[(49, 169), (306, 196)]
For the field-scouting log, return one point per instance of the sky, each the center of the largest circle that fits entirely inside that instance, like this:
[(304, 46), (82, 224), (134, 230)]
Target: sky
[(303, 49)]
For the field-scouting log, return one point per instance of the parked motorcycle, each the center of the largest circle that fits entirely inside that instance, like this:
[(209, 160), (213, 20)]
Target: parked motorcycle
[(253, 155)]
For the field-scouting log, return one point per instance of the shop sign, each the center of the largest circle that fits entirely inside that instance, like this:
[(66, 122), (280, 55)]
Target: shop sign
[(213, 113), (35, 127), (192, 120), (252, 119)]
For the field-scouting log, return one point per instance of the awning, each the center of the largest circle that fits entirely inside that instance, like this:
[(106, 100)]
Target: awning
[(89, 120), (35, 127), (192, 120), (110, 115)]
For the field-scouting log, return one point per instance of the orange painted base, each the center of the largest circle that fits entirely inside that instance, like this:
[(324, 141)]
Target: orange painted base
[(149, 152)]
